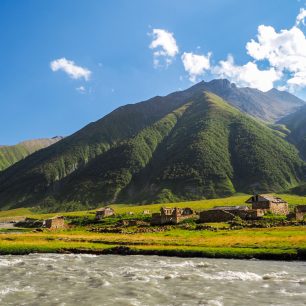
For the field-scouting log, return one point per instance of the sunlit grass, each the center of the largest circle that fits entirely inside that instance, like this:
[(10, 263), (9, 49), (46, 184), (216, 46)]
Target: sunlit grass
[(126, 208), (138, 209), (227, 243), (284, 239)]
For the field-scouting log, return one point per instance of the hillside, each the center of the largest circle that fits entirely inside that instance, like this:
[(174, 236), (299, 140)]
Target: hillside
[(9, 155), (296, 124), (187, 145)]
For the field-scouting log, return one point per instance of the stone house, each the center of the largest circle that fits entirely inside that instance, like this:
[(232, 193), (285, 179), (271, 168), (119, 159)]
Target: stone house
[(57, 222), (146, 212), (104, 212), (172, 215), (269, 203), (228, 213), (300, 212)]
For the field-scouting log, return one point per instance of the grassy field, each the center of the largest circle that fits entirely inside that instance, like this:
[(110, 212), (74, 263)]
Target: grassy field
[(137, 209), (285, 242), (274, 243)]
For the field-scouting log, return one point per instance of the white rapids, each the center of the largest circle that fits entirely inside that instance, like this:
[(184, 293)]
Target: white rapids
[(52, 279)]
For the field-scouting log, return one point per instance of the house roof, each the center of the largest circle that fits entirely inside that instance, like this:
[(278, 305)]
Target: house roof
[(266, 197)]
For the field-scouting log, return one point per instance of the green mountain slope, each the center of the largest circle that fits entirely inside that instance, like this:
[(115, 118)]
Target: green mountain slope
[(9, 155), (296, 123), (215, 151), (42, 173), (187, 145)]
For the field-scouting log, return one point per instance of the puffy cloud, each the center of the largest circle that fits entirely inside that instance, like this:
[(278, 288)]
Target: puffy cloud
[(81, 89), (195, 64), (284, 50), (282, 88), (301, 17), (282, 53), (69, 67), (247, 75), (164, 45)]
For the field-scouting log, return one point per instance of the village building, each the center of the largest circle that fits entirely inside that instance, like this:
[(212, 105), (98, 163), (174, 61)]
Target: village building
[(172, 215), (269, 203), (300, 212), (57, 222), (228, 213), (146, 212), (104, 212)]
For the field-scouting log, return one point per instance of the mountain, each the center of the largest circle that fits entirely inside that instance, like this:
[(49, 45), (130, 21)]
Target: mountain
[(9, 155), (187, 145), (268, 106), (296, 124)]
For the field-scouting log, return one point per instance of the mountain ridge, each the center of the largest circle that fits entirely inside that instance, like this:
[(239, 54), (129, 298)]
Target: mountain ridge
[(269, 106)]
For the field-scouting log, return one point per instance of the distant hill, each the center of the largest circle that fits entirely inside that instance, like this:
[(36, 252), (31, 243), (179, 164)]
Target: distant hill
[(9, 155), (187, 145), (268, 106)]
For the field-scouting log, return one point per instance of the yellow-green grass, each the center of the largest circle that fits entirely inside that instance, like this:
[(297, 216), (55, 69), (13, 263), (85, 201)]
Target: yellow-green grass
[(137, 209), (286, 241)]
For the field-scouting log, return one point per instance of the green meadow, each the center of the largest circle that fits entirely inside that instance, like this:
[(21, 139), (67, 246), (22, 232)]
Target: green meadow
[(284, 242), (272, 243), (138, 209)]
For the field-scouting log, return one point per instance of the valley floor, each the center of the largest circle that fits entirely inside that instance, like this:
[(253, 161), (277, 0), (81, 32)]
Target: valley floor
[(185, 240)]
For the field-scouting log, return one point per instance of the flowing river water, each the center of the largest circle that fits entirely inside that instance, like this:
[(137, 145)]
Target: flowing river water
[(53, 279)]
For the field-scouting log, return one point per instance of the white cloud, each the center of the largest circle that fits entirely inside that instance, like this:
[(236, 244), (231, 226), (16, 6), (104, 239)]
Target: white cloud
[(164, 45), (282, 88), (281, 53), (247, 75), (81, 89), (301, 17), (74, 71), (195, 64), (284, 50)]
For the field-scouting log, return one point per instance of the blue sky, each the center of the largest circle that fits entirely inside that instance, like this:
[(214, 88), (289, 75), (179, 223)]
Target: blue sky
[(106, 46)]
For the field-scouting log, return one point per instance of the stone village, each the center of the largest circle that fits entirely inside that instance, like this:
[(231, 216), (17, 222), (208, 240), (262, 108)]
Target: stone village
[(257, 206), (260, 205)]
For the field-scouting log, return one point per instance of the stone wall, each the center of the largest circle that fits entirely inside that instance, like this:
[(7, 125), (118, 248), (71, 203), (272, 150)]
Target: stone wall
[(279, 208), (107, 212), (156, 219), (174, 218), (261, 205), (275, 208), (219, 215), (55, 223), (208, 216), (300, 212), (253, 214)]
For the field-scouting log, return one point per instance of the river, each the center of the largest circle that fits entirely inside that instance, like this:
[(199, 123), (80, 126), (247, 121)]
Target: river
[(53, 279)]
